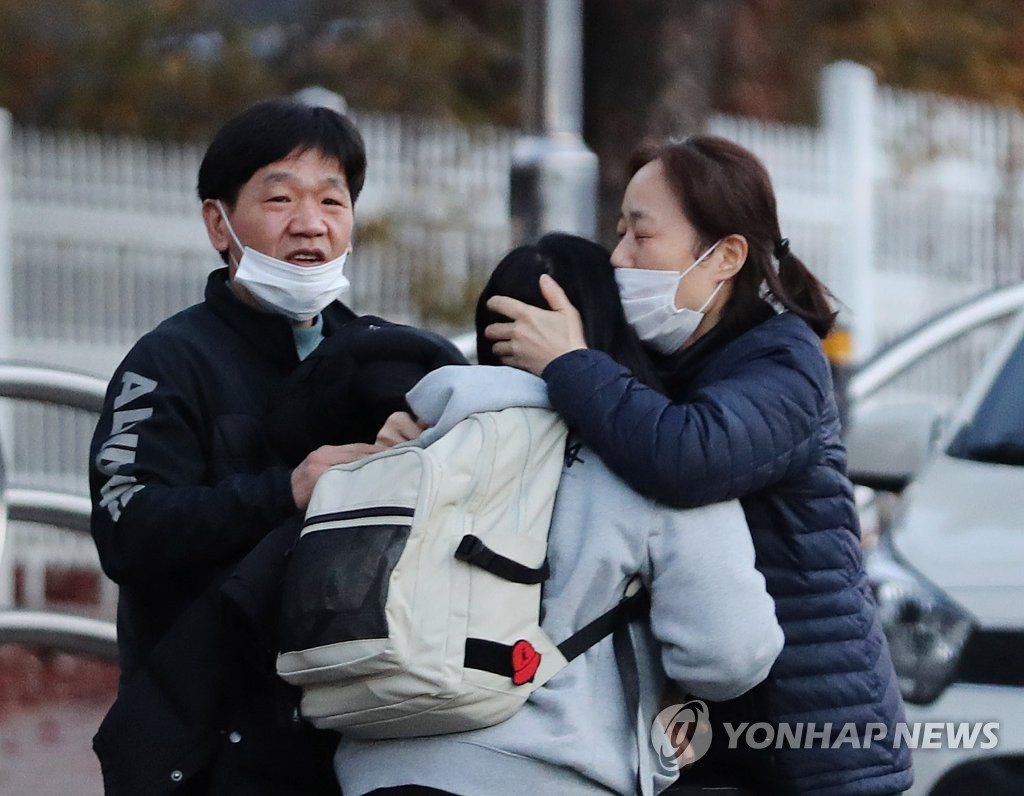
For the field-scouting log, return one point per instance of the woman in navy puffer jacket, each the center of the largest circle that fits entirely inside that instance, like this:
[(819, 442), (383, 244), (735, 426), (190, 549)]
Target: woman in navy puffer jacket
[(735, 321)]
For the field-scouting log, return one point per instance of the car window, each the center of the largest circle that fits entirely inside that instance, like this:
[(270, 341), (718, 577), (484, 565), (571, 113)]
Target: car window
[(996, 432)]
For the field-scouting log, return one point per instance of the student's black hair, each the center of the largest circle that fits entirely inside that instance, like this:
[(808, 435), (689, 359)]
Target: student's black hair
[(584, 271), (724, 189), (271, 130)]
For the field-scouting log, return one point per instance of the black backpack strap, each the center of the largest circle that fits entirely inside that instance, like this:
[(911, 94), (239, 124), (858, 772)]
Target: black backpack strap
[(625, 659), (634, 605), (493, 656), (472, 550)]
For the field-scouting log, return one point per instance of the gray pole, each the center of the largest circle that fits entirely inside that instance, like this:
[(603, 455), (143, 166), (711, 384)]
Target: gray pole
[(849, 102), (6, 310), (6, 233), (554, 178)]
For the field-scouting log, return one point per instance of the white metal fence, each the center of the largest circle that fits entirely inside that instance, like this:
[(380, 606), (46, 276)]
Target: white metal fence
[(903, 203)]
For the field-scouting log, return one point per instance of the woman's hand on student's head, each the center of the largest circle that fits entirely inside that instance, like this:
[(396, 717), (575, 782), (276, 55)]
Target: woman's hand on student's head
[(535, 337), (399, 427)]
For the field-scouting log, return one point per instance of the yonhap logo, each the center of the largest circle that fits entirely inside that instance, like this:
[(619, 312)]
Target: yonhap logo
[(681, 734)]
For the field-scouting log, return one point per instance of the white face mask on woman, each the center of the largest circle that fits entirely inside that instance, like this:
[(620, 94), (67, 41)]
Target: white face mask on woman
[(649, 303), (298, 292)]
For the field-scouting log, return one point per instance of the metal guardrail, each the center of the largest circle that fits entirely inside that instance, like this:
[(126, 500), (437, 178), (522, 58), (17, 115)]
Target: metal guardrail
[(32, 382), (49, 508), (66, 632), (899, 355)]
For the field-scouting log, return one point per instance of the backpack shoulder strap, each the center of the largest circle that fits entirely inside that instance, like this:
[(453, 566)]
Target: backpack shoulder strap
[(495, 657), (633, 605)]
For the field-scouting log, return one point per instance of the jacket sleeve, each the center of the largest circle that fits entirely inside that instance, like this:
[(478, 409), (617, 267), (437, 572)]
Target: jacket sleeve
[(755, 426), (710, 609), (155, 514)]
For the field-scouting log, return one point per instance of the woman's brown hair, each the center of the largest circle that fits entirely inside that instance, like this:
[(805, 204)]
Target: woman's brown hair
[(724, 189)]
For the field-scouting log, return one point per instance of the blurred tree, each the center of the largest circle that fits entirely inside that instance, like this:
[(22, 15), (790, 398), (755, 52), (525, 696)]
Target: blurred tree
[(174, 68), (970, 48), (121, 67), (650, 70), (773, 58), (656, 67), (445, 58), (966, 48)]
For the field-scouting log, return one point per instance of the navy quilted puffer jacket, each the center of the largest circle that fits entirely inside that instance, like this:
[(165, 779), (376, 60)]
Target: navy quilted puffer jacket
[(753, 416)]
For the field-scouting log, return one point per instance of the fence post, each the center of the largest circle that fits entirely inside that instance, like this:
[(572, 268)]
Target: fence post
[(848, 103), (6, 235), (6, 306)]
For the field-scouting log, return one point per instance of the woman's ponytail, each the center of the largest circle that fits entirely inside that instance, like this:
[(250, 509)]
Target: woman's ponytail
[(801, 292)]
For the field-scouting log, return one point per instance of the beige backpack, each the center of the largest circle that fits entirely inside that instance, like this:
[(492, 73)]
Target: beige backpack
[(412, 600)]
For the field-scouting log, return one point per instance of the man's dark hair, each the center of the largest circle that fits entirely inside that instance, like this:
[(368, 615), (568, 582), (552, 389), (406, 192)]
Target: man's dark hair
[(583, 269), (271, 130)]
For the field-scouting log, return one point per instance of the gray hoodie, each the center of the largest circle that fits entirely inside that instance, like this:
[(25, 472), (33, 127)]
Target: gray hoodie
[(711, 629)]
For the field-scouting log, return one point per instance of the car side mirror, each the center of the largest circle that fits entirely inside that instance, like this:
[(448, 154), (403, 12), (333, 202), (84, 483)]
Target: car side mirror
[(888, 444)]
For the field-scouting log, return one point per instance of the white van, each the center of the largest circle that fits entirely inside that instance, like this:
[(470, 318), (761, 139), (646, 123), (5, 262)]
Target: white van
[(948, 573)]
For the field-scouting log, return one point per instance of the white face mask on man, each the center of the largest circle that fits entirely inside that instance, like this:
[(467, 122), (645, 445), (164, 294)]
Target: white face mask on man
[(649, 303), (298, 292)]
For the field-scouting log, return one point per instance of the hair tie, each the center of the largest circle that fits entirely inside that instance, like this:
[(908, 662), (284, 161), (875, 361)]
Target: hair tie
[(781, 248)]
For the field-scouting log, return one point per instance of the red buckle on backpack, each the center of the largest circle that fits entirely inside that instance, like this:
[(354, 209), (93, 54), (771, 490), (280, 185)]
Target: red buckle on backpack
[(525, 662)]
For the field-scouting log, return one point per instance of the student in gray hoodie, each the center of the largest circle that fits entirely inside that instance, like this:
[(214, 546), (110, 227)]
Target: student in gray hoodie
[(711, 628)]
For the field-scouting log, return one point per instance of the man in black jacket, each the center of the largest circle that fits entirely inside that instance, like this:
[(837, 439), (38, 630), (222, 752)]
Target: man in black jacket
[(191, 500)]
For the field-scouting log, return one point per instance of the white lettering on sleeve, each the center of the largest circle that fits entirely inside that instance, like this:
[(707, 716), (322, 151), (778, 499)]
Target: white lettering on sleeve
[(120, 448)]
